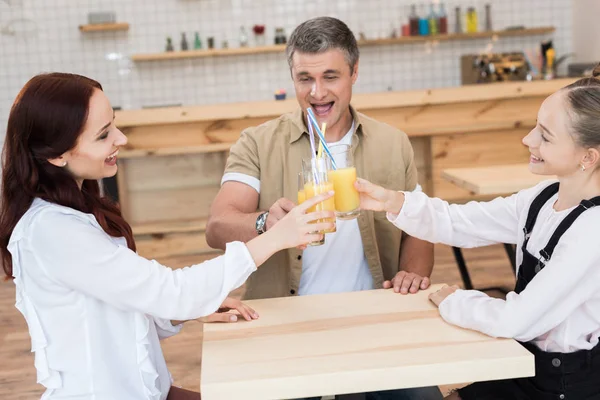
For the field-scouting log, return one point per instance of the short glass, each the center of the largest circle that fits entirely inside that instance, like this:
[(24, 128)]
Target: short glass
[(346, 199)]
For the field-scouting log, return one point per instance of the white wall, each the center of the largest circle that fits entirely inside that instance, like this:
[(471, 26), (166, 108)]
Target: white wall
[(586, 30), (59, 46)]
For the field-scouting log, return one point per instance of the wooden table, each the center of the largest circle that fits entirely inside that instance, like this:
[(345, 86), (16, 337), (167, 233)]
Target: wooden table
[(349, 343), (493, 180)]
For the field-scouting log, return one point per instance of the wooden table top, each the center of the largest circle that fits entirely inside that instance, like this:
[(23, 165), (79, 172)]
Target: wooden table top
[(349, 343), (494, 180)]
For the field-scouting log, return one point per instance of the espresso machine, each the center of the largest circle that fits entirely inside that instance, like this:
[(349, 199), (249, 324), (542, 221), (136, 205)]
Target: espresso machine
[(494, 67)]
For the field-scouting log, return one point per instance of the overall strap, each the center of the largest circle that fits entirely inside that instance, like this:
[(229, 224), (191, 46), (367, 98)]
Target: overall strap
[(565, 224), (536, 206)]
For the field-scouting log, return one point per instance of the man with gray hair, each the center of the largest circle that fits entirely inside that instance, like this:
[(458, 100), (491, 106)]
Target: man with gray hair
[(261, 176)]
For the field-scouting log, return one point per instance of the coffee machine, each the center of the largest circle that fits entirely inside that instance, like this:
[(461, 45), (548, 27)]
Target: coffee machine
[(494, 67)]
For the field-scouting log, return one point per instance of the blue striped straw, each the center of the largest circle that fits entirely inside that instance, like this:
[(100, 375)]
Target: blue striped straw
[(311, 117), (311, 135)]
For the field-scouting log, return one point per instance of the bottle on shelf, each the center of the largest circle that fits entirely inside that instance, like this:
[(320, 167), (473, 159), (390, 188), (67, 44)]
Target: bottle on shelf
[(423, 22), (280, 36), (433, 20), (243, 37), (413, 21), (197, 41), (488, 17), (184, 42), (471, 20), (443, 20), (458, 21), (169, 46), (405, 29)]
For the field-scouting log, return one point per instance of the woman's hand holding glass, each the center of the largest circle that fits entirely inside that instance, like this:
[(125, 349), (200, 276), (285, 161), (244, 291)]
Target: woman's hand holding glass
[(298, 228), (376, 198)]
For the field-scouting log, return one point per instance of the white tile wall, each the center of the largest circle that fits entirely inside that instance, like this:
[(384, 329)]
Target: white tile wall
[(58, 45)]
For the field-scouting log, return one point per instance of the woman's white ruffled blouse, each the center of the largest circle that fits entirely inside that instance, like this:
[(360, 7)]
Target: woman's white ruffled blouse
[(96, 310)]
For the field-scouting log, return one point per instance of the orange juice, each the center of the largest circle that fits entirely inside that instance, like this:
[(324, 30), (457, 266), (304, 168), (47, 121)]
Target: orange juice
[(327, 205), (346, 197), (301, 196)]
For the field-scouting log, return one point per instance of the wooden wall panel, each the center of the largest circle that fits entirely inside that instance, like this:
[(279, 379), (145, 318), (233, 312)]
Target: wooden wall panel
[(174, 172), (471, 150), (172, 204), (187, 134), (442, 119), (422, 150), (172, 244)]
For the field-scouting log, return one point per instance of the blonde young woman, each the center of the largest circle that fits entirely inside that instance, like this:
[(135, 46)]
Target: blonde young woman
[(554, 310)]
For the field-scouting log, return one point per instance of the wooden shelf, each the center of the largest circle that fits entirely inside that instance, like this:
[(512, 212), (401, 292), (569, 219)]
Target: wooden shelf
[(459, 36), (120, 26), (174, 55)]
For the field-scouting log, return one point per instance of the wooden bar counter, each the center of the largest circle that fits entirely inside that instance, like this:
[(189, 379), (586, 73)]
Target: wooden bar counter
[(171, 169)]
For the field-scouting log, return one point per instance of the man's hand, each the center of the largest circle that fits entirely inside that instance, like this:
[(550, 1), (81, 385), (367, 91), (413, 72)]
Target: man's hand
[(279, 210), (439, 296), (407, 282)]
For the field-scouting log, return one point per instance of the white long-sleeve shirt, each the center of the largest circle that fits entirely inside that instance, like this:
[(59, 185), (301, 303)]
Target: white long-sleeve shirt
[(96, 310), (559, 311)]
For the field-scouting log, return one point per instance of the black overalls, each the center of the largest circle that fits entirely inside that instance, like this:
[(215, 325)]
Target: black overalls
[(572, 376)]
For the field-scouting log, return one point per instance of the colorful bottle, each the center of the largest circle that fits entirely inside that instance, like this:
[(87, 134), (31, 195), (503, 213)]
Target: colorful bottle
[(443, 20), (433, 21), (197, 41), (471, 20), (413, 21), (423, 23)]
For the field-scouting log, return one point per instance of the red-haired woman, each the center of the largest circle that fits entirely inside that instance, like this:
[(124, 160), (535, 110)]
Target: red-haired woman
[(95, 309)]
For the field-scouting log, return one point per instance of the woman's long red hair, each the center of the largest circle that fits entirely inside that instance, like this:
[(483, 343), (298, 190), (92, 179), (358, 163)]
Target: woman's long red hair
[(46, 121)]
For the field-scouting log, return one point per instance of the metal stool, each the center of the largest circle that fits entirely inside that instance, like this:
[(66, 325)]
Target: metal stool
[(464, 272)]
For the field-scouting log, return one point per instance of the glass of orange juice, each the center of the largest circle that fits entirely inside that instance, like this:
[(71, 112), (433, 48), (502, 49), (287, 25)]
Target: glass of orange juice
[(301, 193), (346, 198), (315, 174)]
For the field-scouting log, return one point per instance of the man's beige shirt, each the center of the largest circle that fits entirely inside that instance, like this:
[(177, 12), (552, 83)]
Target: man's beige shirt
[(273, 152)]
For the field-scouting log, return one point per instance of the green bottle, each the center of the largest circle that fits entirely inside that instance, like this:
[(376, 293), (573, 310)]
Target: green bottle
[(433, 21), (197, 42)]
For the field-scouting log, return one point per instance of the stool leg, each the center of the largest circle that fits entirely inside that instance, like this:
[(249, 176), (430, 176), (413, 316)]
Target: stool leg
[(462, 268)]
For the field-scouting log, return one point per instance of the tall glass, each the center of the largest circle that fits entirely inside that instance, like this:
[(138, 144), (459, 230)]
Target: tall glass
[(316, 182), (347, 201), (301, 193)]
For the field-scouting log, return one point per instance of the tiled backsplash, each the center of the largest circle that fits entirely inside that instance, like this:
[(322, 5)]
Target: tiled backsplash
[(58, 45)]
